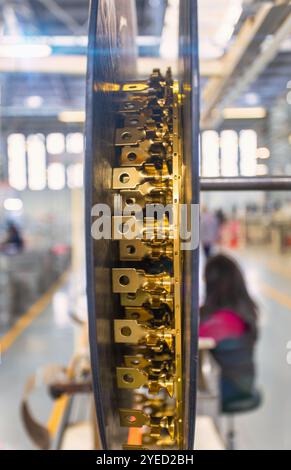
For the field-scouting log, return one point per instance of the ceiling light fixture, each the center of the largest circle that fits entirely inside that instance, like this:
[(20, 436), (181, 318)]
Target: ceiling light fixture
[(25, 51), (13, 205), (263, 153), (34, 102), (72, 116), (244, 113)]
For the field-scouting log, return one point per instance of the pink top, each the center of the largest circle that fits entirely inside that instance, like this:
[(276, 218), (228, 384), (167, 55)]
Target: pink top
[(223, 324)]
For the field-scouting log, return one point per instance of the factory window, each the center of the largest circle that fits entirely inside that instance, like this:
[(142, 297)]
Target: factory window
[(36, 162), (210, 153), (16, 161), (56, 176), (75, 143), (75, 175), (55, 143), (229, 153), (248, 152)]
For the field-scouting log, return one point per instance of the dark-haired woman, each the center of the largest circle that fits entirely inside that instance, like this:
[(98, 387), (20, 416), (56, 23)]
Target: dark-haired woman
[(229, 316)]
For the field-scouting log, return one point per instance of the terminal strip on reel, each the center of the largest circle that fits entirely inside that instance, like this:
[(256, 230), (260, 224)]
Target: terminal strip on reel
[(149, 277)]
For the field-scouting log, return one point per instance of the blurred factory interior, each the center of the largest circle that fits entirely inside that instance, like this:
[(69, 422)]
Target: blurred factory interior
[(245, 68)]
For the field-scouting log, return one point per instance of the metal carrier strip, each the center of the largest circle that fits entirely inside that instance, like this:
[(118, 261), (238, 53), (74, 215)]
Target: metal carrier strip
[(177, 200), (148, 278)]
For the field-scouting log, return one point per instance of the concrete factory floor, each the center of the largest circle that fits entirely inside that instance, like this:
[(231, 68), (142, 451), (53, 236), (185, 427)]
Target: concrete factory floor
[(49, 339), (269, 279)]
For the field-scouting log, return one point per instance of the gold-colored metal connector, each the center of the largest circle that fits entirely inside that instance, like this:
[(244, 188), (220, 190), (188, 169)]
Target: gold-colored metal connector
[(130, 281), (131, 332), (137, 250), (149, 174), (137, 419), (132, 378)]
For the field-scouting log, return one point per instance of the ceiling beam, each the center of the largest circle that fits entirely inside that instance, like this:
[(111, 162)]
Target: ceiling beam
[(63, 15), (266, 56), (212, 68), (215, 88)]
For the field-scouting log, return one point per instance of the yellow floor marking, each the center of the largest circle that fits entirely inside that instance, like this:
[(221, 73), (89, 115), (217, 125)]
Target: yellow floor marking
[(274, 294), (277, 267), (57, 415), (59, 407), (32, 313)]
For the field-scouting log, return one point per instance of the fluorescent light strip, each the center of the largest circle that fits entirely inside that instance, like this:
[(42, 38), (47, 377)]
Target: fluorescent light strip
[(13, 205), (244, 113), (25, 51), (66, 41), (72, 116)]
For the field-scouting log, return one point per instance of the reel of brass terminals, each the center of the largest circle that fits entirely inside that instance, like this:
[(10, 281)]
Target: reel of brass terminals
[(141, 167)]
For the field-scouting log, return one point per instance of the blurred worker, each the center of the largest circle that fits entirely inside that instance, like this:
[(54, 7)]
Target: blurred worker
[(13, 243), (209, 231), (221, 221), (234, 229), (229, 316), (221, 217)]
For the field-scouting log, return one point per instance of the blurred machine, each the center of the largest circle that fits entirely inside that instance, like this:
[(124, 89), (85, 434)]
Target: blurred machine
[(142, 155)]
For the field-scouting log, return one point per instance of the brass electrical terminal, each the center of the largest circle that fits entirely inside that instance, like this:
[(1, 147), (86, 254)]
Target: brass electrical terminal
[(147, 179), (140, 314), (138, 155), (129, 136), (131, 332), (141, 299), (154, 195), (131, 378), (130, 281), (144, 152), (155, 405), (141, 186), (139, 362), (153, 317), (154, 366), (152, 130), (137, 250), (157, 362), (146, 229), (133, 105), (137, 419)]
